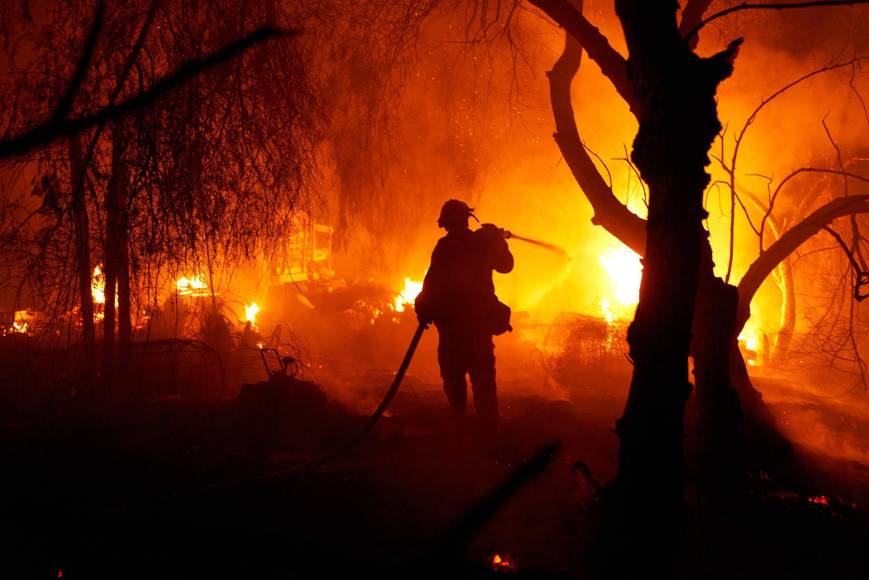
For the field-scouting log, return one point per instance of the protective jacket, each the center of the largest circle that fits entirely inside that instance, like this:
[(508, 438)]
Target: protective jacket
[(458, 285)]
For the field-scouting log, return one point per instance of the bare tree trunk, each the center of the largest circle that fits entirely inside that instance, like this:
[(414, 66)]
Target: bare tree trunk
[(109, 317), (712, 347), (81, 229), (675, 90), (117, 260)]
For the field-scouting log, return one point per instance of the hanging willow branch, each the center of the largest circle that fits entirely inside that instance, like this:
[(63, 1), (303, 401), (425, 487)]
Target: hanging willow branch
[(61, 126)]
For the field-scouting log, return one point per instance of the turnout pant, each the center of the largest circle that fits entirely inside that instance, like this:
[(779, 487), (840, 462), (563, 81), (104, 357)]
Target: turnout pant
[(464, 349)]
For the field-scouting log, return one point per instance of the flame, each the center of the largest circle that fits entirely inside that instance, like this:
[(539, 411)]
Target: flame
[(20, 323), (193, 286), (502, 563), (407, 295), (625, 271), (751, 340), (607, 311), (250, 312), (98, 286)]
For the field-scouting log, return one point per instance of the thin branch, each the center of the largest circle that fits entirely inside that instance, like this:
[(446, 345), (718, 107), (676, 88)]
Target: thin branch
[(844, 247), (65, 104), (790, 241), (857, 92), (855, 228), (768, 6), (609, 212), (731, 170), (55, 128), (611, 63), (692, 15), (797, 172)]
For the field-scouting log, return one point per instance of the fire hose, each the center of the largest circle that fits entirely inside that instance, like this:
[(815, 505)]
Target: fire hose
[(545, 245), (345, 446), (378, 413), (399, 375), (337, 451), (390, 394), (508, 235)]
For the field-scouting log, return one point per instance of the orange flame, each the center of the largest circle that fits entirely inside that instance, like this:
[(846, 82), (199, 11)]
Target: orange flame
[(503, 563), (250, 312), (407, 295), (625, 272), (193, 286), (98, 286)]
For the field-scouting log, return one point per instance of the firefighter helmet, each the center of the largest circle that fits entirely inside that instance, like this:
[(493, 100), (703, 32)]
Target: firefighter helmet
[(453, 211)]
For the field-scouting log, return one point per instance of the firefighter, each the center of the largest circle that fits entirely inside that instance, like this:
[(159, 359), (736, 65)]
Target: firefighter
[(458, 296)]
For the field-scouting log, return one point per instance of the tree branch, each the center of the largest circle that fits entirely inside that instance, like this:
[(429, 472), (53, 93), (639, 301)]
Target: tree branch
[(789, 242), (46, 132), (609, 212), (611, 63), (65, 104), (692, 15), (768, 6)]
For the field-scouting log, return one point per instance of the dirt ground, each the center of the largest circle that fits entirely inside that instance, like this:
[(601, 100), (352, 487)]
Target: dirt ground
[(170, 490)]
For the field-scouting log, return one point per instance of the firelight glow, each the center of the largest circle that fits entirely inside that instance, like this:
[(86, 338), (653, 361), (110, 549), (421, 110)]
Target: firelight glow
[(407, 295), (625, 271), (751, 338), (194, 285), (250, 312), (98, 286)]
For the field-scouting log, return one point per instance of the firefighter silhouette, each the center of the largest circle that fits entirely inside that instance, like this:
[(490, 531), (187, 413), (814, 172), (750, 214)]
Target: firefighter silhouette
[(458, 296)]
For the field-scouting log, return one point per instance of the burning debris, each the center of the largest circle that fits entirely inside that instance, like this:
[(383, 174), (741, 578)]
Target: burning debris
[(192, 286), (503, 562)]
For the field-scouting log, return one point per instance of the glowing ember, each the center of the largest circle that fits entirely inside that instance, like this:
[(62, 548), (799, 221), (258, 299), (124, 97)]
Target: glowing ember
[(250, 312), (503, 563), (193, 286), (406, 297), (625, 271), (98, 286), (819, 499)]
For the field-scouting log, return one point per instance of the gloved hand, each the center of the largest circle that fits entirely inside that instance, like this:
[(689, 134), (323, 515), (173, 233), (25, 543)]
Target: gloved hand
[(422, 313), (494, 231)]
